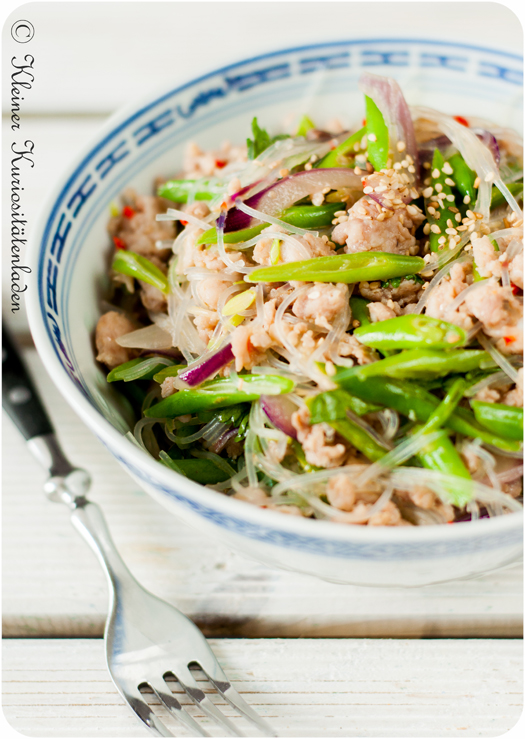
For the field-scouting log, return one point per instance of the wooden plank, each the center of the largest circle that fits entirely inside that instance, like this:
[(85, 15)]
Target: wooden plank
[(53, 586), (305, 688)]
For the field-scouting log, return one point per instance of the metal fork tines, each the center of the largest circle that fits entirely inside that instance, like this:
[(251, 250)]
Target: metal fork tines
[(188, 685)]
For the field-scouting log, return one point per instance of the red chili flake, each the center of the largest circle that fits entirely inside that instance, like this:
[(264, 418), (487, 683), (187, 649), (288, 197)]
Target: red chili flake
[(515, 289), (220, 163), (364, 122), (463, 121), (184, 223), (128, 212), (509, 340), (119, 244)]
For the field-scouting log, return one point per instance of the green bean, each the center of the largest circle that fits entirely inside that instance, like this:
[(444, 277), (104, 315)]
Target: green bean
[(304, 216), (359, 307), (203, 471), (425, 363), (220, 393), (333, 404), (376, 134), (139, 369), (464, 177), (359, 438), (243, 428), (301, 458), (411, 331), (498, 198), (445, 409), (438, 209), (441, 455), (335, 158), (231, 415), (417, 404), (181, 190), (349, 268), (135, 265), (504, 420), (305, 125)]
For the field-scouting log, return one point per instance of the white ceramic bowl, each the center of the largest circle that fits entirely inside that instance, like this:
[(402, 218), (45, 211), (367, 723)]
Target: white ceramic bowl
[(69, 256)]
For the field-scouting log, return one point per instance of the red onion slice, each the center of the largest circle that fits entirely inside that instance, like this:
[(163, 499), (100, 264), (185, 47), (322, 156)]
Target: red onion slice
[(487, 138), (196, 374), (281, 195), (387, 95), (279, 410)]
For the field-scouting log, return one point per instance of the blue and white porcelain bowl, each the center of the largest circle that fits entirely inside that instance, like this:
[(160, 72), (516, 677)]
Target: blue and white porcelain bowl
[(69, 256)]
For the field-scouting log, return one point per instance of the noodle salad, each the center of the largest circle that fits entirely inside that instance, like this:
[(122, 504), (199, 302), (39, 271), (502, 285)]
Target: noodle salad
[(328, 323)]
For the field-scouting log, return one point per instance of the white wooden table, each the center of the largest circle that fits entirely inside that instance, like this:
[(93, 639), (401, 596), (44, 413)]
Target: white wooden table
[(316, 659)]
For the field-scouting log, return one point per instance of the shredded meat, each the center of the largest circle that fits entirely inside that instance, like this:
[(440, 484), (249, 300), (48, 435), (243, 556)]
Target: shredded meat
[(168, 387), (205, 323), (111, 326), (322, 303), (318, 441), (303, 247), (141, 231), (380, 312), (371, 228), (501, 314), (409, 291)]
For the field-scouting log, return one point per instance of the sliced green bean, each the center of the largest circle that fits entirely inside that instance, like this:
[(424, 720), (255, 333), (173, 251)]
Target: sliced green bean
[(411, 331), (180, 191), (498, 198), (377, 135), (438, 208), (349, 268), (220, 393), (139, 369), (333, 404), (417, 404), (359, 307), (463, 176), (203, 471), (504, 420), (137, 266), (335, 158), (425, 363), (359, 438), (305, 124)]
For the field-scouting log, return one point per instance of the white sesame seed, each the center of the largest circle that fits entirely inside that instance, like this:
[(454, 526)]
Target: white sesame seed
[(442, 239), (339, 213), (308, 166), (451, 231), (357, 170), (372, 137), (489, 176), (397, 165), (411, 169), (435, 173), (435, 228), (428, 192), (367, 190), (426, 229), (283, 173), (447, 169), (457, 217), (470, 214), (449, 181), (450, 198), (314, 295), (477, 182), (401, 146)]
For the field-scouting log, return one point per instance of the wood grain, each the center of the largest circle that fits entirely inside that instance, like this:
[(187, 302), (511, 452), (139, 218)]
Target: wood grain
[(304, 688)]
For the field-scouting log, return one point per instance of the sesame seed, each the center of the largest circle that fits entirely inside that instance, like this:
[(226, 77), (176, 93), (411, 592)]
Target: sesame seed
[(340, 213), (442, 239), (477, 182), (449, 223), (432, 211), (466, 199), (308, 166), (457, 217), (401, 146), (426, 229), (472, 227), (489, 176), (397, 165), (357, 146), (426, 165), (381, 217), (450, 198), (447, 169), (427, 181), (411, 169), (409, 159), (367, 190), (435, 173), (470, 214), (439, 187), (283, 173), (314, 295), (428, 192), (357, 170), (462, 228), (451, 231), (449, 181), (372, 137), (435, 228)]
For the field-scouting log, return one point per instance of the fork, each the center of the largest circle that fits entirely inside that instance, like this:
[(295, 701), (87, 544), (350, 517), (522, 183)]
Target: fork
[(146, 639)]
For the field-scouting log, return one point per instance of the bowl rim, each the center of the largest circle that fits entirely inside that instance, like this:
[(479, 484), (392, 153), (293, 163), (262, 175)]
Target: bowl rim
[(114, 440)]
